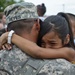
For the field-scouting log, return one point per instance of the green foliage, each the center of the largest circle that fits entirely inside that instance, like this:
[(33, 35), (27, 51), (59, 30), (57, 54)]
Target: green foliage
[(5, 3)]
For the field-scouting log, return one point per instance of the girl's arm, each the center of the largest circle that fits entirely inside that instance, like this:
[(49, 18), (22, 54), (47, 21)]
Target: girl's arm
[(34, 50), (38, 52)]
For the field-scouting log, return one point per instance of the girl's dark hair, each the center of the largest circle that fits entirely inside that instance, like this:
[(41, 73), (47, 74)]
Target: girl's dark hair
[(41, 9), (65, 15), (44, 28), (59, 25)]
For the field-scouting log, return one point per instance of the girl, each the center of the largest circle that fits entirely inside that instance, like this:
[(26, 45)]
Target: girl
[(53, 38)]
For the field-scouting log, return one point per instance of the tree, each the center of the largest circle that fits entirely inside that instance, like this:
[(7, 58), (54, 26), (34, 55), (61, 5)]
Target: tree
[(5, 3)]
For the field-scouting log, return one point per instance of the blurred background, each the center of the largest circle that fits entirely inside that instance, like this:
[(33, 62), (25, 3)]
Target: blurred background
[(53, 6)]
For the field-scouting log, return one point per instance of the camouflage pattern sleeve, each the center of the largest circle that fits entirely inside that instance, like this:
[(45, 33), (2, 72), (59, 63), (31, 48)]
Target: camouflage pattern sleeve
[(58, 67), (12, 61)]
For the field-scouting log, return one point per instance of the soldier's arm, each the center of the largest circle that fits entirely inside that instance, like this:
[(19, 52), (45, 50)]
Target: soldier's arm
[(32, 49)]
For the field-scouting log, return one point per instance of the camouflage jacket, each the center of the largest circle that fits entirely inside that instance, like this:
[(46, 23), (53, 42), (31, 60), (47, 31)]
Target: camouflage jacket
[(48, 67), (58, 67), (11, 61), (16, 62)]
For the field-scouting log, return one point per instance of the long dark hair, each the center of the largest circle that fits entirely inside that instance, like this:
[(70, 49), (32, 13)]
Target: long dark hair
[(44, 28), (65, 15), (57, 24)]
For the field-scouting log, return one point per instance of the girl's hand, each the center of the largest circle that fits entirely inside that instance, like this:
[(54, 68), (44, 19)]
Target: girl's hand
[(6, 46), (3, 39)]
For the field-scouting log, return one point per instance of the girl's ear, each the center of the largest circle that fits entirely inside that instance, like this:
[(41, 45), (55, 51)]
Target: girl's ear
[(67, 39)]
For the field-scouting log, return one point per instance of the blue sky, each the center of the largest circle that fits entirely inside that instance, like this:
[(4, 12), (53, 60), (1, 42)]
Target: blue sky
[(55, 6)]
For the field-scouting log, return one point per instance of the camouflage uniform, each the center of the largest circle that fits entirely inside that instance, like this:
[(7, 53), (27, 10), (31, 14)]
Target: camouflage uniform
[(11, 61), (19, 11), (58, 67), (16, 62)]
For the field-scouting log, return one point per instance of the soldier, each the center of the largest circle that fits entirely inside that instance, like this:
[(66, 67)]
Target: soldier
[(20, 18), (16, 62)]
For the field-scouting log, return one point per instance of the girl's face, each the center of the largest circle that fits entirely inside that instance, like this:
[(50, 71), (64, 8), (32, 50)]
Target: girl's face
[(51, 40)]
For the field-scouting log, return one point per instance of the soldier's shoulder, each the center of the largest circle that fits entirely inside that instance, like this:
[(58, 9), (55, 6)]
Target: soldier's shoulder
[(58, 67)]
